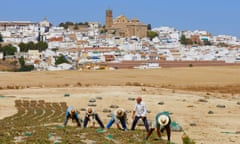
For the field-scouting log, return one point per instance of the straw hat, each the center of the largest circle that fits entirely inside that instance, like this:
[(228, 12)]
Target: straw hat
[(119, 113), (163, 120), (89, 110), (72, 112)]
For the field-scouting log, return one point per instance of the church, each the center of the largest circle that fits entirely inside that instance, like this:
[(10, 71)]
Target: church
[(123, 27)]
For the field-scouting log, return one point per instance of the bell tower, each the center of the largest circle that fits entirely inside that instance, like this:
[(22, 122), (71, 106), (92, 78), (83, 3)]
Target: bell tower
[(109, 19)]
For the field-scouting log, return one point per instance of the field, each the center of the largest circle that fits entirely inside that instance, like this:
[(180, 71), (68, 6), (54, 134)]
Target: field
[(205, 101)]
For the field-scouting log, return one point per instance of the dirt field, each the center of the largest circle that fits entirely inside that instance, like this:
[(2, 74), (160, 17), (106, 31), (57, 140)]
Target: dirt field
[(204, 101)]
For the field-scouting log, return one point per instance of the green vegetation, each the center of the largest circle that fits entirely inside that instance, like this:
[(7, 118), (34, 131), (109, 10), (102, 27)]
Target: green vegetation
[(1, 38), (55, 49), (207, 42), (222, 44), (61, 59), (185, 41), (151, 34), (41, 46), (69, 24), (24, 67), (8, 50), (102, 31), (189, 41), (187, 140)]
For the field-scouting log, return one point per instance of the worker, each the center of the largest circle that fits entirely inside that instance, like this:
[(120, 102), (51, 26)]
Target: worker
[(72, 113), (91, 115), (139, 112), (162, 121), (119, 116)]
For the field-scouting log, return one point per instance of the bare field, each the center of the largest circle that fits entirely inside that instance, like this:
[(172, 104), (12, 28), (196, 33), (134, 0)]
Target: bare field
[(190, 94), (197, 79)]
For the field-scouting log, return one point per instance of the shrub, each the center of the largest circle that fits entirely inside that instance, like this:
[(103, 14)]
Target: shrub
[(26, 68), (187, 140)]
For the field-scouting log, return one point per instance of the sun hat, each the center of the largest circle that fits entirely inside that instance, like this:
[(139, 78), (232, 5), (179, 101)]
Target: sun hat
[(163, 120), (89, 110), (72, 112), (119, 113)]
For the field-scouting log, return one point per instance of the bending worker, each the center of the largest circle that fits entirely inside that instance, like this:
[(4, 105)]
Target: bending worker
[(118, 116), (91, 115), (72, 113), (162, 122)]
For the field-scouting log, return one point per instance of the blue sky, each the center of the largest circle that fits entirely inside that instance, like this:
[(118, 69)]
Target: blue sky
[(215, 16)]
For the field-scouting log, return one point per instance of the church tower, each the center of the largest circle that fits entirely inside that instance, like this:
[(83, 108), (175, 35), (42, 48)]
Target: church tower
[(109, 19)]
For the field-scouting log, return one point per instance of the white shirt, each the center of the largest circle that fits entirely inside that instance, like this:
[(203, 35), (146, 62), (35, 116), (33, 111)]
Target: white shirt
[(140, 109)]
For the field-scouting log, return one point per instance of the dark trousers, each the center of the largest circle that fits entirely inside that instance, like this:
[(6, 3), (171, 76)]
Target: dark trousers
[(75, 117), (144, 119), (86, 119)]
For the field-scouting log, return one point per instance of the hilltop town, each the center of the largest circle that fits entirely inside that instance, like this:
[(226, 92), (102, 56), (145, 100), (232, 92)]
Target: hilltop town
[(119, 43), (203, 101)]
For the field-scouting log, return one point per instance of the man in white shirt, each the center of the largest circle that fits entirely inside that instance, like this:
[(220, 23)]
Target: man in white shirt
[(139, 111)]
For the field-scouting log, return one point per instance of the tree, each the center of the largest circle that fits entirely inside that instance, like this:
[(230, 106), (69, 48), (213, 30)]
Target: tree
[(8, 50), (61, 24), (31, 46), (151, 34), (183, 39), (21, 61), (61, 59), (206, 42), (41, 46), (55, 49), (103, 31), (23, 47), (75, 27), (1, 38), (24, 67)]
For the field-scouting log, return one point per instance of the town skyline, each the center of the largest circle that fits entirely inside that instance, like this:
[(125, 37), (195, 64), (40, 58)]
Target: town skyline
[(217, 18)]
